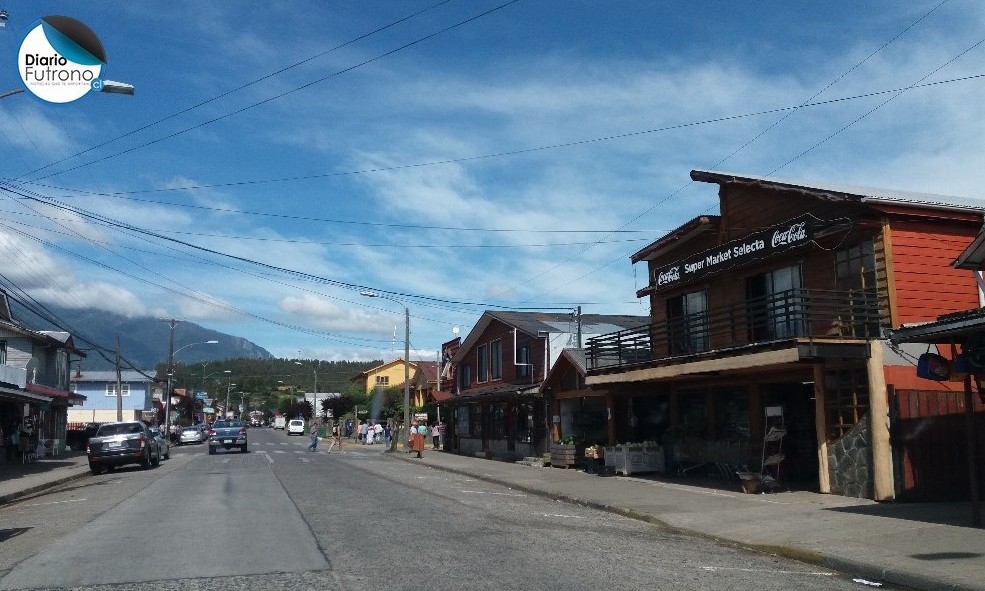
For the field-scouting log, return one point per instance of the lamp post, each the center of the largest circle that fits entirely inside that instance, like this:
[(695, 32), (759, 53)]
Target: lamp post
[(314, 394), (171, 353), (373, 294)]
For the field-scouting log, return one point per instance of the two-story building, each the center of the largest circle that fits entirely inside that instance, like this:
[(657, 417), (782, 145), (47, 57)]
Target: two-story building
[(770, 318), (498, 407), (34, 391), (135, 398), (423, 377)]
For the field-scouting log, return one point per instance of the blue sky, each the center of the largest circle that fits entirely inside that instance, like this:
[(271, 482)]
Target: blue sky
[(516, 160)]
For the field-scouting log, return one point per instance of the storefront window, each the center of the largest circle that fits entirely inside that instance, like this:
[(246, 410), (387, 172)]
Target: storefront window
[(499, 421), (524, 423), (462, 420), (475, 420), (692, 412), (732, 414)]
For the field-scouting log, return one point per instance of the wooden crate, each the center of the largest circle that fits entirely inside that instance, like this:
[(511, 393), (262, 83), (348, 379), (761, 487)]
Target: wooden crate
[(564, 456)]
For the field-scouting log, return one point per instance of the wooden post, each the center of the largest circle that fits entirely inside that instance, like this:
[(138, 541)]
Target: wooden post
[(821, 430), (969, 415), (882, 466)]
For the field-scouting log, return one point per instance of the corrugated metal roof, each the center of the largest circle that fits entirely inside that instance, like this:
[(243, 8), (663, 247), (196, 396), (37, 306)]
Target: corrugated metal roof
[(110, 376), (846, 191)]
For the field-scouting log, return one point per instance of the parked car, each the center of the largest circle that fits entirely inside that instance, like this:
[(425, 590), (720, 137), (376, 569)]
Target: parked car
[(118, 444), (227, 434), (162, 443), (280, 422), (192, 435), (295, 427)]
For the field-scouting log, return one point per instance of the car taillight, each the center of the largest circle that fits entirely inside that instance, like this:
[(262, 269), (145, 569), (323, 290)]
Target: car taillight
[(242, 432), (211, 433), (142, 441), (88, 449)]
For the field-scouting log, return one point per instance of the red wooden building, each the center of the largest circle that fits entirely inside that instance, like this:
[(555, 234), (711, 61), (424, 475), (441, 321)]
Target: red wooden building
[(775, 314)]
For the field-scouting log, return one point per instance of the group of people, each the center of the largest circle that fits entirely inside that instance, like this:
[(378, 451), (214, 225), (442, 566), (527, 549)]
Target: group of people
[(370, 434)]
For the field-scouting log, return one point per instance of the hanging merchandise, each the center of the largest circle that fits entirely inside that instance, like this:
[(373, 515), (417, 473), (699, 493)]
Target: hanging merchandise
[(932, 366)]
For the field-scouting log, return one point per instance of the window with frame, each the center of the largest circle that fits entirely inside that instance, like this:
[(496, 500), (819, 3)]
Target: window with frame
[(524, 423), (523, 367), (465, 376), (855, 277), (776, 304), (496, 360), (687, 323), (382, 380), (111, 389), (462, 420), (482, 363), (3, 352), (846, 398)]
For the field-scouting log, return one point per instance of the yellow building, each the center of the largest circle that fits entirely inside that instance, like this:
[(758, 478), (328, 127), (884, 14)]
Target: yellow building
[(423, 379)]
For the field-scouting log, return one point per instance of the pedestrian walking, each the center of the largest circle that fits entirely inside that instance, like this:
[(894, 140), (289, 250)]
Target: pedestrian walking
[(378, 432), (314, 438), (388, 433), (435, 434), (336, 439), (363, 430), (416, 439)]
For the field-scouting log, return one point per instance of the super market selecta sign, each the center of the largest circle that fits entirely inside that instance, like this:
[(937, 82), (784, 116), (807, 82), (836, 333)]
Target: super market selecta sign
[(754, 247)]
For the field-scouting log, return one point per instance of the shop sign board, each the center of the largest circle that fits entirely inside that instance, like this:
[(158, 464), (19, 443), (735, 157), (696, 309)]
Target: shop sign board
[(754, 247)]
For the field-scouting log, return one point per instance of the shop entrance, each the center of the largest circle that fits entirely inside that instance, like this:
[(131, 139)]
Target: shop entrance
[(799, 446)]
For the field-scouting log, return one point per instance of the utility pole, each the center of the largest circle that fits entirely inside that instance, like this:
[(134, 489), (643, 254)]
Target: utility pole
[(170, 372), (119, 384)]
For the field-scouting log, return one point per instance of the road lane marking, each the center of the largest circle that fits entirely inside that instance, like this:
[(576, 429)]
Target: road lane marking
[(482, 492), (267, 457), (560, 515), (763, 570), (54, 503)]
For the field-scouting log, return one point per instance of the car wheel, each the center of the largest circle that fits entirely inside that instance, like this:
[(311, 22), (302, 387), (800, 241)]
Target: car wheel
[(211, 451), (167, 456), (156, 461), (96, 469), (145, 461), (242, 448)]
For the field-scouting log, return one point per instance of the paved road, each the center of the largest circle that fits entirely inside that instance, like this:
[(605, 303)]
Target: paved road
[(279, 517)]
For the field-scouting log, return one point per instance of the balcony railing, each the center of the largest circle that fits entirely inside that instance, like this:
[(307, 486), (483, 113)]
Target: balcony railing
[(780, 316)]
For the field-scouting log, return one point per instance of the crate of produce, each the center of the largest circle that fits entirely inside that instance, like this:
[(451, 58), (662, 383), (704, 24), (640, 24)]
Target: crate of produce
[(595, 452)]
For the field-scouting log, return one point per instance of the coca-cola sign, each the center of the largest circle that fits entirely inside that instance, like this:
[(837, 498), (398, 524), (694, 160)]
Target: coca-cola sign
[(754, 247)]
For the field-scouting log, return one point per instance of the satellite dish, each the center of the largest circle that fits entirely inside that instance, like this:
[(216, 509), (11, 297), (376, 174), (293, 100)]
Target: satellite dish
[(454, 329)]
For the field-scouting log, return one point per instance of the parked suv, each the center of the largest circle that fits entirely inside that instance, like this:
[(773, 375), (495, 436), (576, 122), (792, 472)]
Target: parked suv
[(117, 444)]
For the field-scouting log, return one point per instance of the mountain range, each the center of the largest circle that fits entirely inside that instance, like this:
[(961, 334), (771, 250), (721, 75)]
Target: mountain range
[(143, 341)]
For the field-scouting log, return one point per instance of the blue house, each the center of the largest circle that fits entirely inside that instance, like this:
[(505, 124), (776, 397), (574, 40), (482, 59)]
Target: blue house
[(99, 388)]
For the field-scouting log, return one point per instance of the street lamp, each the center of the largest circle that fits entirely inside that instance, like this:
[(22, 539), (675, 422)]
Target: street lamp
[(107, 86), (314, 394), (373, 294), (171, 353), (229, 387)]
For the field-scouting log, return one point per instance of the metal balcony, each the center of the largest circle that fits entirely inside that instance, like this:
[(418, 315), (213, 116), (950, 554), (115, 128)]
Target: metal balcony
[(786, 315)]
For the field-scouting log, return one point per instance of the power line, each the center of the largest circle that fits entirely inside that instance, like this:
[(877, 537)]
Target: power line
[(283, 94)]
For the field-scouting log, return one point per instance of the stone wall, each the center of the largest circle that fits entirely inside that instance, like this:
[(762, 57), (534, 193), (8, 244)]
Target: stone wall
[(850, 462)]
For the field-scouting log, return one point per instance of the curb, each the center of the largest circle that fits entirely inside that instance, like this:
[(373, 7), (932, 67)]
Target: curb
[(850, 568), (40, 488)]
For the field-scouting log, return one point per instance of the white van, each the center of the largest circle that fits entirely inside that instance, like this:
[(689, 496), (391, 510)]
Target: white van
[(280, 422), (295, 427)]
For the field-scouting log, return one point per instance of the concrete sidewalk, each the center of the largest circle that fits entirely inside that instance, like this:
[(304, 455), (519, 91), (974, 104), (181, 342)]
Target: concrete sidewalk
[(23, 480), (926, 546)]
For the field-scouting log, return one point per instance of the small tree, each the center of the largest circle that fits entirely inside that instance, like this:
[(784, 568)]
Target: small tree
[(339, 405)]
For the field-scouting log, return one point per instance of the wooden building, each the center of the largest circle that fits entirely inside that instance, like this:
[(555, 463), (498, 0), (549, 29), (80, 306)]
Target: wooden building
[(776, 311)]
